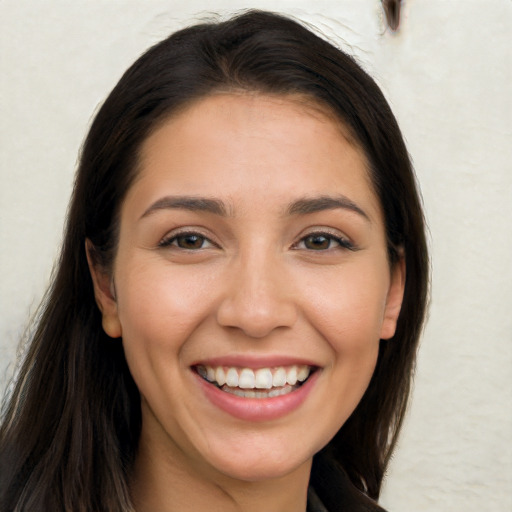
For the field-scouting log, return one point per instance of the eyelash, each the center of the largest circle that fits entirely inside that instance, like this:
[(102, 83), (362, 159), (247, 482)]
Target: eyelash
[(172, 241), (342, 242)]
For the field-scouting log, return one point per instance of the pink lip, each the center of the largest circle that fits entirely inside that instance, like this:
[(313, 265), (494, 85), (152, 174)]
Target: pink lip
[(245, 361), (257, 409)]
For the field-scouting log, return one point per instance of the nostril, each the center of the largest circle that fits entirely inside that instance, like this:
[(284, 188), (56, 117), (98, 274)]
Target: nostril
[(255, 320)]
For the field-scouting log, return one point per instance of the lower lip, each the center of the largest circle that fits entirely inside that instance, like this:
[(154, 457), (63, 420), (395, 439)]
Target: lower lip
[(258, 409)]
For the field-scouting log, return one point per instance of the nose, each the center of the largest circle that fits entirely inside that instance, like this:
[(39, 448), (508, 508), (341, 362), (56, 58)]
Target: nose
[(258, 298)]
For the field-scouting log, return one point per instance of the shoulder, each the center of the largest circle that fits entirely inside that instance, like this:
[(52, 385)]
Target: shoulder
[(331, 490)]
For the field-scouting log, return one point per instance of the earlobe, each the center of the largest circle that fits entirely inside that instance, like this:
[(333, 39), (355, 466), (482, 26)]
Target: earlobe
[(104, 293), (394, 299)]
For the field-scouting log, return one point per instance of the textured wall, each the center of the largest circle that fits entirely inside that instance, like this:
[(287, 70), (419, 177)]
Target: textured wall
[(447, 74)]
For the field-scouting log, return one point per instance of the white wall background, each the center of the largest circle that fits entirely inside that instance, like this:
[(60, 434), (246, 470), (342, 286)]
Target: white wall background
[(447, 74)]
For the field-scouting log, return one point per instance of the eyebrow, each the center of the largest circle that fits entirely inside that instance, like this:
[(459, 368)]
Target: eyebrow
[(317, 204), (303, 206), (191, 203)]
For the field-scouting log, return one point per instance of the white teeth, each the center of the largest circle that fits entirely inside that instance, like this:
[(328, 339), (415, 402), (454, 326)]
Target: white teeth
[(246, 380), (303, 373), (210, 374), (258, 394), (279, 378), (281, 391), (232, 378), (291, 376), (220, 376), (263, 378)]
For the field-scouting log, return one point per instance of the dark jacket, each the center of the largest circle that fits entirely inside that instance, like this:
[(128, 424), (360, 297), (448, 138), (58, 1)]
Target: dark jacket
[(330, 489)]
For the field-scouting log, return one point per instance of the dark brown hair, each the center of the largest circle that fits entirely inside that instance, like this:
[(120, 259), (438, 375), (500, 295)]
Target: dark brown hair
[(70, 429)]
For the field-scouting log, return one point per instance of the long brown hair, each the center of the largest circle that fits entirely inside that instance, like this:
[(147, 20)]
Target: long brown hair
[(70, 429)]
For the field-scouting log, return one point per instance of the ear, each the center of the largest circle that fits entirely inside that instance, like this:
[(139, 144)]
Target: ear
[(394, 299), (104, 293)]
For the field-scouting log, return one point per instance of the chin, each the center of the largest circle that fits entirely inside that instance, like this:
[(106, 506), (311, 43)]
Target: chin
[(259, 472), (261, 464)]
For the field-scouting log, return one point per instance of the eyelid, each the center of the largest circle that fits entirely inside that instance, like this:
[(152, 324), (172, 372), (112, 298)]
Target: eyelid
[(344, 242), (166, 241)]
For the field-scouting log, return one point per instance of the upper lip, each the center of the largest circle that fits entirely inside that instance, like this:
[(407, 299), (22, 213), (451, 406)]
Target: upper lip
[(254, 362)]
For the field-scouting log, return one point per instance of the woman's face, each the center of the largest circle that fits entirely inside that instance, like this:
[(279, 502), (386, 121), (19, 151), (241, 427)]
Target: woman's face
[(251, 285)]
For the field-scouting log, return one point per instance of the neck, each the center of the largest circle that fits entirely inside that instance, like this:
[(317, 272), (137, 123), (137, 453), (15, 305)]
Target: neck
[(166, 482)]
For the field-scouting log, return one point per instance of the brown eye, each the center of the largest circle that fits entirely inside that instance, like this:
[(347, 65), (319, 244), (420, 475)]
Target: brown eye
[(188, 241), (318, 242), (324, 242)]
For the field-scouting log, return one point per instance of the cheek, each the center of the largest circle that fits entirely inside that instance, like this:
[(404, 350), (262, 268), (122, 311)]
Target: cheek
[(348, 314), (160, 306), (349, 310), (159, 309)]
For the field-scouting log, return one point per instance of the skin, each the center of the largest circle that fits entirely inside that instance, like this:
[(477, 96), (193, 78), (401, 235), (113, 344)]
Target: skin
[(255, 285)]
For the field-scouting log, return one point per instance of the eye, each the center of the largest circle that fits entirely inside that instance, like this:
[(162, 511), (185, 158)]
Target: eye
[(324, 242), (188, 241)]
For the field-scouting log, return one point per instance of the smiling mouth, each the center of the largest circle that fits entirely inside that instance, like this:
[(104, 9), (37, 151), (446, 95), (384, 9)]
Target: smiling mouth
[(256, 383)]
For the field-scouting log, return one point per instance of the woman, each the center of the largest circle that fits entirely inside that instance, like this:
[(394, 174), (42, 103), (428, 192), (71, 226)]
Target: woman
[(235, 315)]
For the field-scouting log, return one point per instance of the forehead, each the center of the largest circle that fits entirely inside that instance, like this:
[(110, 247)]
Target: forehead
[(260, 146)]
